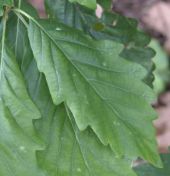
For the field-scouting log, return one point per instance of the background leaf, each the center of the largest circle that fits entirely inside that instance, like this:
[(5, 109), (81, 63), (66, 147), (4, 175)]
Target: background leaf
[(17, 150), (75, 152), (106, 4), (161, 71), (88, 3), (71, 14), (146, 169)]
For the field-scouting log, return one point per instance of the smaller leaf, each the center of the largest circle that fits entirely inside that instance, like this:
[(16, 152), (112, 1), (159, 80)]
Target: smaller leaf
[(88, 3), (71, 14), (149, 170), (73, 152), (17, 150)]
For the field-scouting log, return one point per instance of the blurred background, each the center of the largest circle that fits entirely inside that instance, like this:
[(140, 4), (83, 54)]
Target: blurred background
[(154, 19)]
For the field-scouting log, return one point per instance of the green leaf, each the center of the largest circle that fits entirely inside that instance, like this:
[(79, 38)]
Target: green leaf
[(18, 138), (68, 151), (100, 92), (146, 169), (106, 4), (5, 3), (77, 153), (143, 56), (15, 95), (122, 29), (88, 3), (17, 150), (97, 85), (161, 71), (71, 14)]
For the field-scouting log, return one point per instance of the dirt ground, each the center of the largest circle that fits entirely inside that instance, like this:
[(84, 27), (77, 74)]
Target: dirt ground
[(154, 17)]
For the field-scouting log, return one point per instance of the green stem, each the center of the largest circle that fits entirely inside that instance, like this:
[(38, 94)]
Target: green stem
[(4, 20), (24, 13), (22, 19), (19, 12), (17, 33)]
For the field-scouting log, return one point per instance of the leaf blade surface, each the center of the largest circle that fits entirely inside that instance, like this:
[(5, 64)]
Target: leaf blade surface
[(104, 107)]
